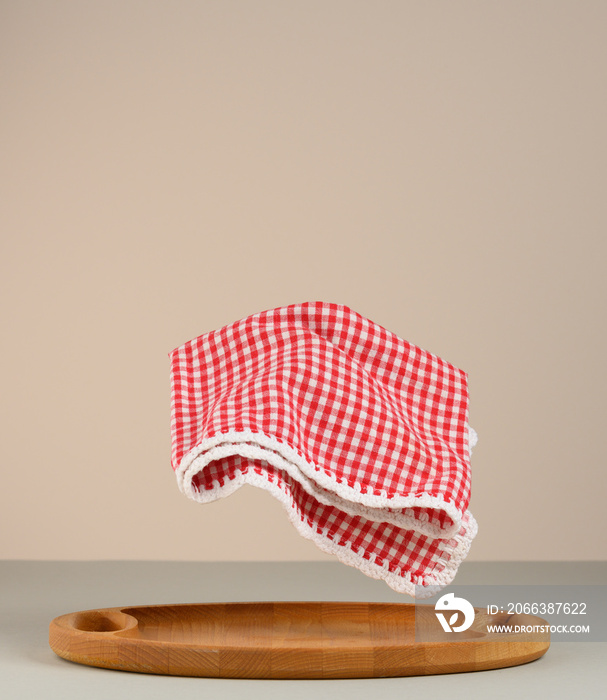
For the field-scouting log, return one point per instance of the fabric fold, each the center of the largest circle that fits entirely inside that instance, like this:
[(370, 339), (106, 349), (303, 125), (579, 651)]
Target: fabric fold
[(362, 436)]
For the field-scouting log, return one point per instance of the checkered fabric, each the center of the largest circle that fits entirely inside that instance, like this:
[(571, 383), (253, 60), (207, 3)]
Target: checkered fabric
[(361, 435)]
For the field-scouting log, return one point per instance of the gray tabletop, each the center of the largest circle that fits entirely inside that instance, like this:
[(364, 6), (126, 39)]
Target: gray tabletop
[(33, 593)]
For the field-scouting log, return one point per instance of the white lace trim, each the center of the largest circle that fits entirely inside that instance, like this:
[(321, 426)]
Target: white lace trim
[(259, 446)]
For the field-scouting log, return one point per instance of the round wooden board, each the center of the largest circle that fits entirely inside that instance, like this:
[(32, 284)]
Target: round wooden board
[(289, 640)]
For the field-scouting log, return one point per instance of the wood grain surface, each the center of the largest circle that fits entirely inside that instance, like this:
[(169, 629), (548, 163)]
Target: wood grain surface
[(289, 640)]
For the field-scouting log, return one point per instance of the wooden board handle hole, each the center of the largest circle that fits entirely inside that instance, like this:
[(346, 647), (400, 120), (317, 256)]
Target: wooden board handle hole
[(94, 621)]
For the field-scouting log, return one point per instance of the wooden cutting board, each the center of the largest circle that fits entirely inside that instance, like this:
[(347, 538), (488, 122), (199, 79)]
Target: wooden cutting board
[(289, 640)]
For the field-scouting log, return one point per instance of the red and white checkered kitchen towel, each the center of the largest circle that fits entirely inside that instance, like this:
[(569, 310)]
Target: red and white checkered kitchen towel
[(362, 436)]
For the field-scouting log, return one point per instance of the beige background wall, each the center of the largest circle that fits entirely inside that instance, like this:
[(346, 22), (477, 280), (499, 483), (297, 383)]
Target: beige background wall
[(170, 167)]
